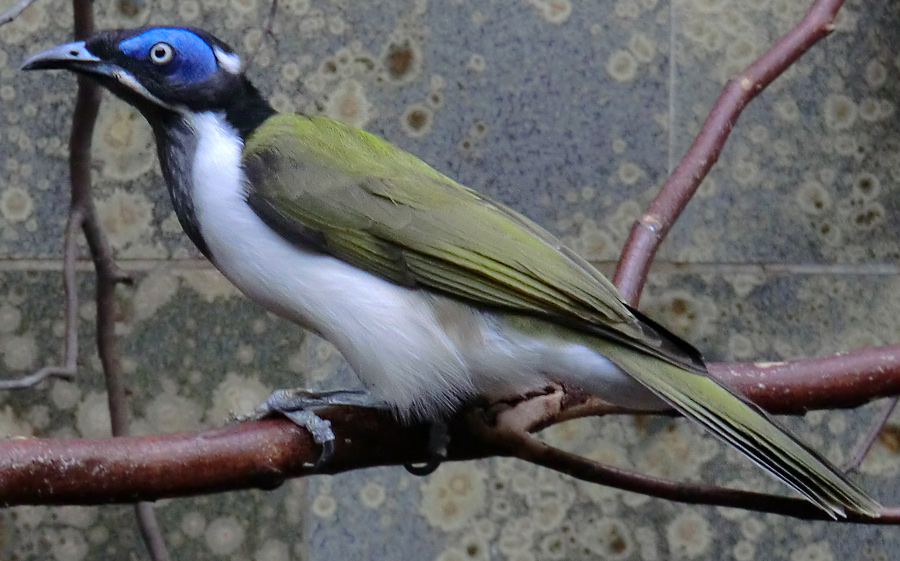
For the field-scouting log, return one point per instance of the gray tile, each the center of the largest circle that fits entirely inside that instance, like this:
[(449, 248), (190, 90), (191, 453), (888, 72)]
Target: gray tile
[(808, 173)]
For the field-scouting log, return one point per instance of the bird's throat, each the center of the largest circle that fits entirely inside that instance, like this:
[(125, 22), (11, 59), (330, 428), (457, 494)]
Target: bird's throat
[(176, 144)]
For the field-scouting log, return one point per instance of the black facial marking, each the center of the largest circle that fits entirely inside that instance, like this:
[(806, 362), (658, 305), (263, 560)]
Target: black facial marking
[(232, 94)]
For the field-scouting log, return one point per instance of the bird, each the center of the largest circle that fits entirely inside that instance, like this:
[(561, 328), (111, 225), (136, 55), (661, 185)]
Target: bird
[(435, 294)]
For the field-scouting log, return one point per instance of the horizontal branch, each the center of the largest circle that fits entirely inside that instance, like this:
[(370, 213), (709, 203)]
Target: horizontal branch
[(264, 454), (260, 454), (837, 381), (531, 450), (793, 387)]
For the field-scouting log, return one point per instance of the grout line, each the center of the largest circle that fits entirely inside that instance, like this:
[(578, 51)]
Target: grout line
[(85, 265), (659, 267), (847, 269), (671, 156)]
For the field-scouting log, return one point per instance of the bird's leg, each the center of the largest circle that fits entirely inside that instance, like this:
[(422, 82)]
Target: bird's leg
[(438, 439), (298, 404), (523, 411)]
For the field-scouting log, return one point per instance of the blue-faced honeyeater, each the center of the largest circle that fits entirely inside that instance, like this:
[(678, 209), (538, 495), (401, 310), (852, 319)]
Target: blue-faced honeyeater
[(435, 294)]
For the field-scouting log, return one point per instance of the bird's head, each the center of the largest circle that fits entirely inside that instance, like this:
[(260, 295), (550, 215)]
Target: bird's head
[(159, 70)]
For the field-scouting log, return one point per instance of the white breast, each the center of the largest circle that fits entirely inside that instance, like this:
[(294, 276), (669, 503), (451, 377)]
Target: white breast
[(387, 333)]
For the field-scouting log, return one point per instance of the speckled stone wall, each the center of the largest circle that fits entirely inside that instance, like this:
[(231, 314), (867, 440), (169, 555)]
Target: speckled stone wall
[(572, 111)]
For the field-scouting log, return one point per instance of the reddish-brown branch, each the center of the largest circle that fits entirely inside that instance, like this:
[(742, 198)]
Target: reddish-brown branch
[(653, 226), (150, 532), (260, 454), (871, 435), (794, 387), (526, 448), (836, 381), (87, 106), (14, 11)]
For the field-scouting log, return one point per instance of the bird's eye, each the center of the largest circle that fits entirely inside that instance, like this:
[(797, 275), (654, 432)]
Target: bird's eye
[(161, 53)]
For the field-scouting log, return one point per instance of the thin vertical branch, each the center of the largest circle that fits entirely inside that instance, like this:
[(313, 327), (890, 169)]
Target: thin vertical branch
[(652, 227), (871, 436), (150, 532), (13, 11), (87, 104), (70, 285)]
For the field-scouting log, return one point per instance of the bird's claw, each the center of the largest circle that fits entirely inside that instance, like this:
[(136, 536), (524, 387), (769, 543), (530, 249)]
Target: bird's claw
[(438, 440), (298, 405)]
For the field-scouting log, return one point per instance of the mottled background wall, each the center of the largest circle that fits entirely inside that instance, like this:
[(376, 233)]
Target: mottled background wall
[(572, 111)]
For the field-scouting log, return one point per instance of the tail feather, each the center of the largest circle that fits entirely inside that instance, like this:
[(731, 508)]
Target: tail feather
[(746, 427)]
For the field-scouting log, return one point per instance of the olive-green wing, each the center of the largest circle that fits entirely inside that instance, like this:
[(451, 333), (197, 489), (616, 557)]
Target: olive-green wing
[(348, 193)]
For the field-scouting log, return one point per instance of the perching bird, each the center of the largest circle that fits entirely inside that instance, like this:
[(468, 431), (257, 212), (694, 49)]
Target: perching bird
[(434, 294)]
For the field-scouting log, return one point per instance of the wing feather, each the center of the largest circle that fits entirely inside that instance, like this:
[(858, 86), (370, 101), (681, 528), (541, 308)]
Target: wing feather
[(345, 192)]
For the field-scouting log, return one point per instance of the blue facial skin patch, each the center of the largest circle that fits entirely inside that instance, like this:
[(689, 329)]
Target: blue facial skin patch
[(193, 61)]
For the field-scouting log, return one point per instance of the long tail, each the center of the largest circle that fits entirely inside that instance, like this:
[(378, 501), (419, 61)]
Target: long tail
[(746, 427)]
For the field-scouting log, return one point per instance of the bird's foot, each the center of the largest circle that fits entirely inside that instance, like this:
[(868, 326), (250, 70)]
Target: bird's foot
[(438, 439), (298, 405)]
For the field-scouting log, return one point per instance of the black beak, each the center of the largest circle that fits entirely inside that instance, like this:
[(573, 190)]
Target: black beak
[(71, 56)]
